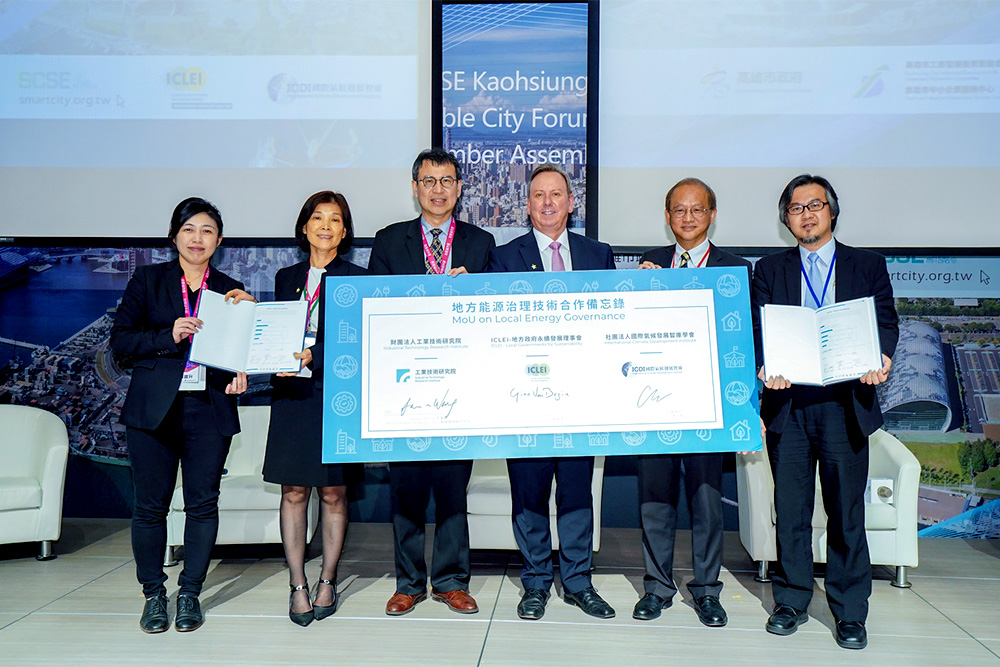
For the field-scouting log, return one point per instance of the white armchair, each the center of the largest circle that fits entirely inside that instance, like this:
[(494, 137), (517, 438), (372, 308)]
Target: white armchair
[(33, 450), (248, 506), (891, 528), (489, 506)]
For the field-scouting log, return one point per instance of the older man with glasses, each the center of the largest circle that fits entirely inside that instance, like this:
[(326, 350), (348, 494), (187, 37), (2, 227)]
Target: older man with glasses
[(690, 210)]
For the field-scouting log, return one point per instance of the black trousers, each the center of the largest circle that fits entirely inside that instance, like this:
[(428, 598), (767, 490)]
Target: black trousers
[(530, 488), (822, 432), (188, 437), (659, 492), (412, 484)]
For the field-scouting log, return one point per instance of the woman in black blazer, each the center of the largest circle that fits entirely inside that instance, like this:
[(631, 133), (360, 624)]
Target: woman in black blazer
[(294, 438), (176, 412)]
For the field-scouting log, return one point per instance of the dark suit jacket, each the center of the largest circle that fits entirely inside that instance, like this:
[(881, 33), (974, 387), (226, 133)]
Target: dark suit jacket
[(398, 249), (521, 254), (716, 257), (777, 279), (288, 284), (143, 329)]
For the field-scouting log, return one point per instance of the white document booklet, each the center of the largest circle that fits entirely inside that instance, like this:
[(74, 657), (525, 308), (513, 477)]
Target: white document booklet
[(821, 347), (252, 337)]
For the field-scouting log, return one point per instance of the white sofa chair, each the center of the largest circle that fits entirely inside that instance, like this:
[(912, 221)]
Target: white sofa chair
[(248, 506), (489, 506), (891, 528), (34, 450)]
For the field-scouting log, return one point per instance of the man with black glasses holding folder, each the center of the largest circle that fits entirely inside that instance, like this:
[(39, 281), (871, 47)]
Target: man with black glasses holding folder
[(828, 426)]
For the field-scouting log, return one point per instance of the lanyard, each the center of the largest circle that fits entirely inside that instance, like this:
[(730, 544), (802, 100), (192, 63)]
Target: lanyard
[(313, 300), (187, 305), (704, 258), (829, 274), (438, 267)]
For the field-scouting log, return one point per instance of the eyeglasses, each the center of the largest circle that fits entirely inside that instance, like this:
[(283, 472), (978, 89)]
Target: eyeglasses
[(814, 206), (447, 182), (695, 211)]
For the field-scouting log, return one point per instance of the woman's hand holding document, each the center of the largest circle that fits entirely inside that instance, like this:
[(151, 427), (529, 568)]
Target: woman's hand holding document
[(833, 344), (252, 337)]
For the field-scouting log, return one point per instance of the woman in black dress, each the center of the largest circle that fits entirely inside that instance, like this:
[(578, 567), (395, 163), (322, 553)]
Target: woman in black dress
[(294, 438), (176, 412)]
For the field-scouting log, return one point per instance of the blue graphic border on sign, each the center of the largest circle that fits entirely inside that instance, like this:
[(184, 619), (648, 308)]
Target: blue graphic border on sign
[(342, 441)]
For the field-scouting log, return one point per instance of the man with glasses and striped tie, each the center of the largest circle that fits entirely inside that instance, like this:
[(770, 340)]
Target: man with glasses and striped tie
[(690, 211), (549, 246), (830, 425), (435, 242)]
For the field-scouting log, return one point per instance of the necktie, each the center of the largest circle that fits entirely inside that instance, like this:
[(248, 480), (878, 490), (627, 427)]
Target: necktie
[(557, 260), (815, 280), (685, 259), (436, 250)]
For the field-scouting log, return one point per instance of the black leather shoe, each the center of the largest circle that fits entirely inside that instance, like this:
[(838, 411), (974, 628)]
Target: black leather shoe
[(785, 620), (532, 604), (710, 611), (851, 634), (590, 602), (154, 615), (649, 606), (189, 616)]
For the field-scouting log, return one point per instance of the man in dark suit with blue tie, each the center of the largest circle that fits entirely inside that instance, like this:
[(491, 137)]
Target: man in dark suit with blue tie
[(690, 212), (437, 243), (828, 425), (549, 246)]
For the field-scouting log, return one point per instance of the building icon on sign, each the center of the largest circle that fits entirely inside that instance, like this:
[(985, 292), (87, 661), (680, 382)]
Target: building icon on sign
[(734, 359), (346, 333), (732, 322), (598, 439), (346, 444)]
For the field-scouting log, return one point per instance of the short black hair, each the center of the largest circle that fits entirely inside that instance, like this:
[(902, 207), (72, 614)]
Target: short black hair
[(808, 179), (189, 208), (691, 181), (308, 208), (438, 156)]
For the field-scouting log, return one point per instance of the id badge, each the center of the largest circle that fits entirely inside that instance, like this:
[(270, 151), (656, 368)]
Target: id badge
[(193, 379), (309, 342)]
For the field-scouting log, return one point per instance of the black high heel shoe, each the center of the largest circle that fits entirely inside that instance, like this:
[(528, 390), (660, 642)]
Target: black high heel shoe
[(319, 613), (299, 618)]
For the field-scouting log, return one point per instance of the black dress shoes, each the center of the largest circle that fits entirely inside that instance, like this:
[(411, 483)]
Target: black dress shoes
[(590, 602), (785, 620), (710, 611), (154, 615), (649, 606), (189, 616), (851, 634), (532, 604)]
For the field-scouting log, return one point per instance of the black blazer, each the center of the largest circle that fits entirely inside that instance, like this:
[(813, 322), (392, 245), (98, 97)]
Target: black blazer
[(521, 254), (143, 329), (288, 284), (716, 257), (777, 279), (398, 249)]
